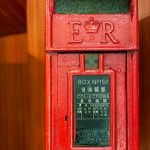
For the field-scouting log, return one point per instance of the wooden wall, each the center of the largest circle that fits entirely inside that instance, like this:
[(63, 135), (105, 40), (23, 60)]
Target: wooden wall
[(144, 28), (12, 16), (22, 82)]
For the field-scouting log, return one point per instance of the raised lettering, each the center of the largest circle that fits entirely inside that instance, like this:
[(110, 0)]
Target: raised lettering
[(74, 33), (107, 29)]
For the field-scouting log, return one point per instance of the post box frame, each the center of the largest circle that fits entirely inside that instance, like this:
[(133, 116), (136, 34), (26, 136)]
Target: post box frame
[(131, 49), (132, 102)]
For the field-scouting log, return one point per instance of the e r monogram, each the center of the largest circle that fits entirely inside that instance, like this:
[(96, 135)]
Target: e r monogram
[(91, 28)]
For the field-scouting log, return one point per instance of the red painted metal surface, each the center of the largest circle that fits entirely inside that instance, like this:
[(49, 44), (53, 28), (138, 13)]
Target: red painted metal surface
[(111, 32), (115, 38), (63, 67)]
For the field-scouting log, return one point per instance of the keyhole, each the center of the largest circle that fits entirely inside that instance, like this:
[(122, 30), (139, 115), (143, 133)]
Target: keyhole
[(66, 118)]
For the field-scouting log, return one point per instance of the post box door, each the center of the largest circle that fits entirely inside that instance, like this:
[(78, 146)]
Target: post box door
[(88, 101)]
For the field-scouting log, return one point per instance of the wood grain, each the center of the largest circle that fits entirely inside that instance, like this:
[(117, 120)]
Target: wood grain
[(144, 28), (12, 16), (36, 51), (22, 84), (22, 81), (13, 71)]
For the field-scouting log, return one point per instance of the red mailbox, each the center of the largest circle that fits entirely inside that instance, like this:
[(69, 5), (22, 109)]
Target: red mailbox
[(91, 75)]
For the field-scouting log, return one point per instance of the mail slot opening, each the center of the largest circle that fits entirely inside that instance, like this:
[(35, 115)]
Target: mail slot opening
[(92, 6), (92, 110)]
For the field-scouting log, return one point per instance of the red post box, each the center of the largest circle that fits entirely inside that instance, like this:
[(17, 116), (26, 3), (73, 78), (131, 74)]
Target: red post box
[(91, 75)]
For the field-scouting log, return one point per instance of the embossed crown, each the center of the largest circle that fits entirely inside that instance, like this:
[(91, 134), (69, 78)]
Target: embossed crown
[(91, 26)]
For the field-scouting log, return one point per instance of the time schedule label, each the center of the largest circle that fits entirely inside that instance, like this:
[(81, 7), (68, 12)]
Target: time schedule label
[(92, 110)]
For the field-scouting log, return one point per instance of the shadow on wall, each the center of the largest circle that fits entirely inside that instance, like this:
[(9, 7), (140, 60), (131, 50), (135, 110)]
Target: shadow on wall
[(22, 105), (144, 28)]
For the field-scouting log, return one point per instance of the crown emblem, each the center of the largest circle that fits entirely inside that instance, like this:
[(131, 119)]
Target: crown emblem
[(91, 26)]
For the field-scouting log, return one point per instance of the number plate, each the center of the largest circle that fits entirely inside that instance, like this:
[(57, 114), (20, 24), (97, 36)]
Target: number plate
[(92, 110)]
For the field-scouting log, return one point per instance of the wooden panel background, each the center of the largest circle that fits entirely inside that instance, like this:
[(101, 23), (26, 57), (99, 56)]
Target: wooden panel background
[(12, 16), (144, 28), (22, 82)]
